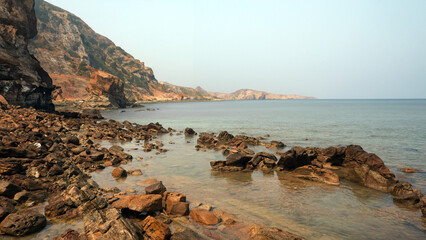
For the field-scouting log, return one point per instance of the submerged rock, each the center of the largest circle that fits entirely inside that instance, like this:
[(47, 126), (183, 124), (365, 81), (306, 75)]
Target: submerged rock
[(204, 216), (264, 233)]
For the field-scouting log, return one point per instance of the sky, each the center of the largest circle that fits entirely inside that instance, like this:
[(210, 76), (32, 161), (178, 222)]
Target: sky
[(326, 49)]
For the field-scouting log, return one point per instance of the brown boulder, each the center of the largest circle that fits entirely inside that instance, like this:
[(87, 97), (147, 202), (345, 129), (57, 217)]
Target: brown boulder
[(119, 173), (157, 188), (139, 203), (203, 216), (154, 229), (237, 159), (23, 223), (190, 132)]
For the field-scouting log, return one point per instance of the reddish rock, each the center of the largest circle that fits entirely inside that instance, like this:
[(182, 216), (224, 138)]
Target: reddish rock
[(139, 203), (105, 84), (203, 216), (119, 173), (155, 230)]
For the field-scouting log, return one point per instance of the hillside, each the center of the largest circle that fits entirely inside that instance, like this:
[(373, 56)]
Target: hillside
[(72, 53), (249, 94), (66, 45)]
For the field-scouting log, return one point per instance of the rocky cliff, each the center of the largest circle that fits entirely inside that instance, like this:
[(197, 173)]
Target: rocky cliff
[(22, 80), (65, 45)]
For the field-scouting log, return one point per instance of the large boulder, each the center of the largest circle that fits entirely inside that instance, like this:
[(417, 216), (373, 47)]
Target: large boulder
[(23, 223), (6, 207), (22, 80), (139, 203)]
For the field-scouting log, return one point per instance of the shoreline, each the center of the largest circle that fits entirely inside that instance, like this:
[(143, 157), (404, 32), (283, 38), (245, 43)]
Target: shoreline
[(76, 152)]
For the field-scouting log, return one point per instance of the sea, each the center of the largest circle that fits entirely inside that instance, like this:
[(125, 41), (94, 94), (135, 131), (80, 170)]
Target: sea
[(393, 129)]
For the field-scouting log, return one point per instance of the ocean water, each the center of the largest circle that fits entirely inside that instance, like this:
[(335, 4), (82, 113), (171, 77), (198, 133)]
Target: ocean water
[(393, 129)]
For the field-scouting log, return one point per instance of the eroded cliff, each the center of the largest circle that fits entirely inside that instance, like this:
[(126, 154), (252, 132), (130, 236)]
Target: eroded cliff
[(23, 81)]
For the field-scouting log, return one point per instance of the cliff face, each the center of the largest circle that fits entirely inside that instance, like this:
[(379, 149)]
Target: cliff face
[(65, 45), (22, 80)]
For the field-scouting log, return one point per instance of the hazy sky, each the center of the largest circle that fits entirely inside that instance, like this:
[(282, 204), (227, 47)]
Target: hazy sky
[(326, 49)]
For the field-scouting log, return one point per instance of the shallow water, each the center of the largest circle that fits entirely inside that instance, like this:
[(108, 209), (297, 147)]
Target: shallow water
[(393, 129)]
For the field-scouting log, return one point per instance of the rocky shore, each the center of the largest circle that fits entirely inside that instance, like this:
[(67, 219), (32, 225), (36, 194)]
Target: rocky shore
[(326, 165), (46, 160)]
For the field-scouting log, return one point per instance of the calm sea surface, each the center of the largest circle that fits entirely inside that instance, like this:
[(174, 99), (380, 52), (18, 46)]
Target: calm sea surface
[(393, 129)]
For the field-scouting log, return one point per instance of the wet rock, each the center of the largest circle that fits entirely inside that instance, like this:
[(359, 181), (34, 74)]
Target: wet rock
[(73, 140), (296, 157), (175, 203), (23, 223), (139, 203), (119, 173), (263, 233), (135, 172), (8, 189), (190, 132), (71, 235), (119, 152), (225, 217), (6, 207), (275, 145), (154, 229), (225, 137), (157, 188), (147, 182), (404, 193), (186, 234), (409, 170), (203, 216), (109, 224), (317, 174), (237, 159), (74, 202), (263, 159)]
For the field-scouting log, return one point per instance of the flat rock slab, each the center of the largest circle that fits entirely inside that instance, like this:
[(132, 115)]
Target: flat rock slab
[(140, 203), (203, 216)]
